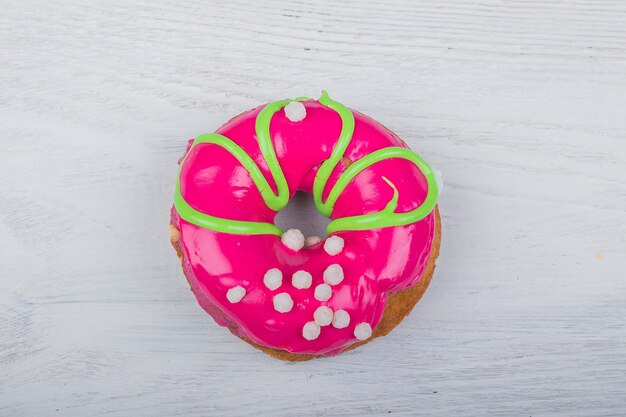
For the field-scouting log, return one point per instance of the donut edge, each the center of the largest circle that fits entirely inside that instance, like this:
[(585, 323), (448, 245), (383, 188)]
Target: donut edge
[(399, 304)]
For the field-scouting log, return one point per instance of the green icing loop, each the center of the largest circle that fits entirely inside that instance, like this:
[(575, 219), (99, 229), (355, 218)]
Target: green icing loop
[(383, 218), (387, 217), (323, 174), (276, 201), (217, 223)]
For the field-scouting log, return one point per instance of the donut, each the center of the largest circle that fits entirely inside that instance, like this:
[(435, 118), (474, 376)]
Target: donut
[(297, 297)]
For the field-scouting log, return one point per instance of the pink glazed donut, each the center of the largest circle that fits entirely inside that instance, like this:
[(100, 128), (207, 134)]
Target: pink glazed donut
[(293, 297)]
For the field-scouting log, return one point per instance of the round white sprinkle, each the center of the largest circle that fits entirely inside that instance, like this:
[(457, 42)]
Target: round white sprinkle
[(341, 319), (438, 179), (333, 245), (323, 316), (333, 275), (301, 280), (235, 294), (295, 111), (283, 302), (293, 239), (273, 278), (323, 292), (363, 331), (311, 240), (311, 331)]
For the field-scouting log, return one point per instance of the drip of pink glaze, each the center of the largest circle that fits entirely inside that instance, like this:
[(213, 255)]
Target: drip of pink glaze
[(374, 261)]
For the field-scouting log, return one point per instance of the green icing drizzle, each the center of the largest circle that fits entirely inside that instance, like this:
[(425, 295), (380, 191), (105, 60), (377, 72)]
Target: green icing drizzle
[(217, 223), (276, 201)]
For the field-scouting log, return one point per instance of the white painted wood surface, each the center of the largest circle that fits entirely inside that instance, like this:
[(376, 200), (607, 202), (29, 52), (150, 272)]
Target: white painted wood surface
[(521, 104)]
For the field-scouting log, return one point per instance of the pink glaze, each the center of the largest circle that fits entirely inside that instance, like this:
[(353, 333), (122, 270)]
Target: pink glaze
[(374, 261)]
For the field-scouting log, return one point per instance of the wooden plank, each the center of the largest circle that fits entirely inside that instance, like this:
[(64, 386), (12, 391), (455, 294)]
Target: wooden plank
[(521, 105)]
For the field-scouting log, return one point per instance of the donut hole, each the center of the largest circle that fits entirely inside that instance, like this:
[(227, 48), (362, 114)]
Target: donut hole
[(301, 213)]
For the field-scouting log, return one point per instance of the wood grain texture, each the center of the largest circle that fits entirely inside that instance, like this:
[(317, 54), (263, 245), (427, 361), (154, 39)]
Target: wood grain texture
[(521, 105)]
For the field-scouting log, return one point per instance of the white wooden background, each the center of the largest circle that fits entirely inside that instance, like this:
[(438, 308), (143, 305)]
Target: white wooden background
[(521, 105)]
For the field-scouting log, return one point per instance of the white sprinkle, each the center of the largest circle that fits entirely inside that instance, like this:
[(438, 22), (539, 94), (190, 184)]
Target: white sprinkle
[(323, 292), (311, 240), (235, 294), (311, 331), (273, 278), (295, 111), (438, 179), (341, 319), (363, 331), (333, 275), (333, 245), (323, 316), (293, 239), (283, 302), (301, 280)]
